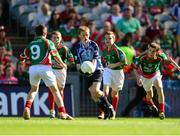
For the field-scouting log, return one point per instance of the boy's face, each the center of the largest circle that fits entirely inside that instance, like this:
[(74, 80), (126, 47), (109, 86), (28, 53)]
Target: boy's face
[(84, 36), (152, 52), (109, 40), (56, 38)]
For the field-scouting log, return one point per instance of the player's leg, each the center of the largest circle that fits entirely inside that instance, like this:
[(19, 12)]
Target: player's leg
[(147, 85), (58, 100), (51, 104), (106, 89), (101, 100), (106, 83), (61, 81), (117, 82), (34, 79), (49, 79), (106, 93), (149, 96), (150, 102), (115, 99), (159, 88), (30, 98), (50, 95)]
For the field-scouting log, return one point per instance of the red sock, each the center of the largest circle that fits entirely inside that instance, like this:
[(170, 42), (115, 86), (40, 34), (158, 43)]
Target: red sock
[(51, 100), (62, 109), (28, 104), (115, 101), (161, 107), (150, 103)]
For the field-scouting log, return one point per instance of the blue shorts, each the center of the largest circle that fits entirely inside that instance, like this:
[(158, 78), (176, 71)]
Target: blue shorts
[(96, 77)]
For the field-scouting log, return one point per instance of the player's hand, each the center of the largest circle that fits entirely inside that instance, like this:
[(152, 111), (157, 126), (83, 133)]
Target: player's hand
[(84, 74), (60, 65), (111, 66), (139, 82), (88, 75), (65, 66)]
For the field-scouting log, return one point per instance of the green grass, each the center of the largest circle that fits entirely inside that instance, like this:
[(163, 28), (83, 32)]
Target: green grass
[(89, 126)]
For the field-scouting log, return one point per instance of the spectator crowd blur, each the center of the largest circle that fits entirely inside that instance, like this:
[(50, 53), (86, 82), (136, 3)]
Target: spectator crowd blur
[(142, 20)]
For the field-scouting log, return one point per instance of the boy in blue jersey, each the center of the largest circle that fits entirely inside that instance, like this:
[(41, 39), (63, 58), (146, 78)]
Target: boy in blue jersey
[(87, 50)]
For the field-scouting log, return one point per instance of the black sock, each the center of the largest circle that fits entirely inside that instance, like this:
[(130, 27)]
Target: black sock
[(103, 103)]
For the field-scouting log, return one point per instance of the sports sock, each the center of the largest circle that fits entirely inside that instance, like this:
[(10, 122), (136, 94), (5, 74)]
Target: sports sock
[(161, 107), (51, 100), (103, 103), (150, 103), (28, 104), (61, 109), (115, 101)]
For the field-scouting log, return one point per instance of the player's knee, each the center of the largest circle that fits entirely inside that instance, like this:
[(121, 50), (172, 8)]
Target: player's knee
[(53, 89), (159, 89), (115, 94), (34, 88), (149, 95)]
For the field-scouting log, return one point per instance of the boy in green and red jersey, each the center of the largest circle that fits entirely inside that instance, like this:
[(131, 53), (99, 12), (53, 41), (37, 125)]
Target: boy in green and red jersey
[(113, 76), (149, 73), (60, 72), (39, 52)]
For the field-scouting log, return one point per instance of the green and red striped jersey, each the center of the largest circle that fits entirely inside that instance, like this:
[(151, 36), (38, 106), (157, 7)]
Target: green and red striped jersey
[(149, 67), (39, 51), (65, 55), (114, 55)]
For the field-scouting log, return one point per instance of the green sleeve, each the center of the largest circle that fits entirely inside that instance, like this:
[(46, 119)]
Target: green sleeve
[(122, 58), (52, 49), (163, 56)]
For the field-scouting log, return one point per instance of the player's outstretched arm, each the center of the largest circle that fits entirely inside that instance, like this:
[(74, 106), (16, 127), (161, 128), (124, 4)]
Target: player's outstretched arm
[(60, 62), (174, 64)]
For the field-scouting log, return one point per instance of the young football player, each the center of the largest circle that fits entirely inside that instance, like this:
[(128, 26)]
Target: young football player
[(87, 50), (113, 76), (39, 52), (149, 75), (59, 72)]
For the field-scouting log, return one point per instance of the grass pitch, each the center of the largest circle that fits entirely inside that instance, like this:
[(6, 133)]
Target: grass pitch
[(88, 126)]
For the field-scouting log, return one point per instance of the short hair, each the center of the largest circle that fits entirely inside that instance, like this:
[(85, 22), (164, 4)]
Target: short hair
[(83, 29), (155, 45), (110, 33), (55, 33), (40, 29)]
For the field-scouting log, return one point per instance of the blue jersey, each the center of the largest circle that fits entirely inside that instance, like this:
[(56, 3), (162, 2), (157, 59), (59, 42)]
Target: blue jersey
[(82, 53)]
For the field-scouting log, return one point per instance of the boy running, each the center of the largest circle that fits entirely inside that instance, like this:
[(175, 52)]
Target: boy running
[(87, 50), (39, 52), (149, 66), (59, 72), (113, 76)]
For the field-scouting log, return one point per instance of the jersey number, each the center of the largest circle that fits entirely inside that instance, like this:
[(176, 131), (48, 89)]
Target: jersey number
[(35, 50)]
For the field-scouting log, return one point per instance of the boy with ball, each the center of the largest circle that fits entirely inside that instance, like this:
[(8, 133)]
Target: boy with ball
[(87, 50)]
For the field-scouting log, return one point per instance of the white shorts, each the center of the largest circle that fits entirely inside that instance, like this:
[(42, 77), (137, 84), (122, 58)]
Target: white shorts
[(148, 83), (113, 78), (44, 72), (60, 77)]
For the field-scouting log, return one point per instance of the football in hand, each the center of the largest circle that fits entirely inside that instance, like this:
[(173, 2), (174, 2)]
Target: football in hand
[(87, 67)]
